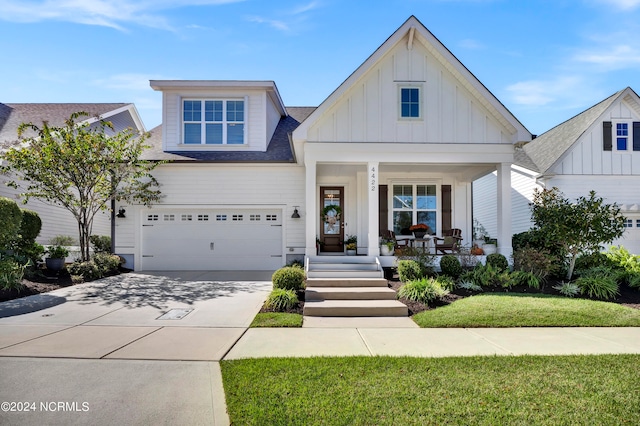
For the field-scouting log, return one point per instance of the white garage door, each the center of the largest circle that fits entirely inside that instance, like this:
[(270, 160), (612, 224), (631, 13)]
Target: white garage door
[(183, 239)]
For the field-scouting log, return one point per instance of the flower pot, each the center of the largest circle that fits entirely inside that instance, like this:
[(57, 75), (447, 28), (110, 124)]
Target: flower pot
[(54, 264), (385, 250), (489, 248), (419, 234), (351, 252)]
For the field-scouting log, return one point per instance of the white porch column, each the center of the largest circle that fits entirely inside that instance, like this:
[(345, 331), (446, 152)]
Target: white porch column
[(504, 210), (310, 207), (374, 219)]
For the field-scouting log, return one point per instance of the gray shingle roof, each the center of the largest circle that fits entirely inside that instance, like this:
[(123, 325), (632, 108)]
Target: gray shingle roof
[(12, 115), (278, 151), (544, 151)]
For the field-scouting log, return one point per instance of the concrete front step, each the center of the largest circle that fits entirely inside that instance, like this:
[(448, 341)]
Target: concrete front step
[(344, 274), (343, 266), (347, 282), (343, 259), (355, 308), (349, 293)]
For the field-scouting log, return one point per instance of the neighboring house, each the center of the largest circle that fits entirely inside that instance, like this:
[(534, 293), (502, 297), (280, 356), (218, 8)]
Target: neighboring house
[(247, 179), (56, 220), (598, 149)]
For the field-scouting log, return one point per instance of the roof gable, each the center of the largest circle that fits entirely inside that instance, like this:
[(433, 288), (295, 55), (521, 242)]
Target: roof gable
[(412, 35), (550, 148)]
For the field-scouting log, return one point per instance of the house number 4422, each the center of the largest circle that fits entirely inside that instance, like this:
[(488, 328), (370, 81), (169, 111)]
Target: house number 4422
[(373, 180)]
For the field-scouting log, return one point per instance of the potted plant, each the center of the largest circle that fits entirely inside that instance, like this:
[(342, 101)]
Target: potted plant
[(480, 234), (351, 244), (490, 245), (387, 248), (57, 252), (419, 230)]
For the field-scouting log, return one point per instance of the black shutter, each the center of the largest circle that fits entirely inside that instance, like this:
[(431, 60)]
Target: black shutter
[(607, 141), (383, 208), (636, 135), (446, 207)]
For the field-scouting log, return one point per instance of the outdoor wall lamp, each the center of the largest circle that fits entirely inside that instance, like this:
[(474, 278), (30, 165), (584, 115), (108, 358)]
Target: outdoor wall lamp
[(295, 214), (121, 213)]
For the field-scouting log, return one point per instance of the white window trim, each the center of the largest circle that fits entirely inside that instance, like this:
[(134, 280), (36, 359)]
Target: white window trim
[(203, 123), (437, 184), (420, 88), (614, 131)]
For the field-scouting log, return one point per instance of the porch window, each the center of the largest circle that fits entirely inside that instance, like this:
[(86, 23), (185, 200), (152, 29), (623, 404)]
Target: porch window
[(414, 204)]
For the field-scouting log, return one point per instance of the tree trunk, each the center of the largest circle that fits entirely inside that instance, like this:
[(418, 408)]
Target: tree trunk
[(572, 264)]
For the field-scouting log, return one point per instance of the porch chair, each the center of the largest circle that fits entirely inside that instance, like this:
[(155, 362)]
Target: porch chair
[(391, 236), (450, 242)]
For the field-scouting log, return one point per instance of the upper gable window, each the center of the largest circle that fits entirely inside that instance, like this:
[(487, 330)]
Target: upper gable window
[(213, 122), (622, 136), (410, 102)]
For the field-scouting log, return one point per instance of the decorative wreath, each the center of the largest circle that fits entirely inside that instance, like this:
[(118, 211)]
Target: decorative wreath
[(327, 209)]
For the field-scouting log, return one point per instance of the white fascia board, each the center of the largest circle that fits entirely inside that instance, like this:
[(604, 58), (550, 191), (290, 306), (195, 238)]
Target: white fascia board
[(131, 108), (267, 85), (409, 153)]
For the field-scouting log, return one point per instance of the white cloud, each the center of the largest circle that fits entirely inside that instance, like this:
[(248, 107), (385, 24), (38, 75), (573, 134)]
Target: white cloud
[(613, 58), (544, 92), (278, 25), (108, 13)]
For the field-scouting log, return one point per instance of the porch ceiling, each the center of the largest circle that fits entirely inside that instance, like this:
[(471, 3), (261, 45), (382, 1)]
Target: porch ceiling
[(464, 172)]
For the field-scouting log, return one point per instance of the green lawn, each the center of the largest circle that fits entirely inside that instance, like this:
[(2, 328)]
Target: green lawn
[(528, 310), (277, 319), (558, 390)]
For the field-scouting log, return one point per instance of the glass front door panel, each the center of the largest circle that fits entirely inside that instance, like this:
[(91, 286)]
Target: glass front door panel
[(331, 219)]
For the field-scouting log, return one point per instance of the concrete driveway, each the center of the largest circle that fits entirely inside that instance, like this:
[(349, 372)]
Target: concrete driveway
[(99, 352)]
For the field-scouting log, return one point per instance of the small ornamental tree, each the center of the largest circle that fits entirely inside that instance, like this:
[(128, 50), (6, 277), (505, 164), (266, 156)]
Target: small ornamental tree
[(81, 167), (579, 227)]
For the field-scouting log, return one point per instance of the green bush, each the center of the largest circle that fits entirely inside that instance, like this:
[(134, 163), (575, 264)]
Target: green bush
[(498, 261), (57, 252), (568, 289), (106, 263), (621, 257), (11, 273), (100, 265), (410, 270), (281, 300), (446, 282), (487, 276), (450, 265), (634, 281), (525, 278), (598, 286), (424, 259), (100, 243), (288, 278), (30, 227), (424, 290), (62, 240), (11, 219), (587, 261)]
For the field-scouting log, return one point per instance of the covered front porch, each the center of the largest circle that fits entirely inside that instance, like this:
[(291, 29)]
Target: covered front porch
[(380, 187)]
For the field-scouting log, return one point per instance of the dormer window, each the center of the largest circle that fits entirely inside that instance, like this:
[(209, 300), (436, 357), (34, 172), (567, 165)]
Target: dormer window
[(213, 122)]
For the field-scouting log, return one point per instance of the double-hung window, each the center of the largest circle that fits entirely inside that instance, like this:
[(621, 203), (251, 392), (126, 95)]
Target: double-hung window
[(213, 122), (622, 136), (413, 204)]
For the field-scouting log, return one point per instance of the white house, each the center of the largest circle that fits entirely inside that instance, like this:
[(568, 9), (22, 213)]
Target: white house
[(598, 149), (56, 220), (247, 179)]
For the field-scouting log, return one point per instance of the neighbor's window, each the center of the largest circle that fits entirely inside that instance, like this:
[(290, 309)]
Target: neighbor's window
[(213, 122), (413, 204), (622, 136), (409, 102)]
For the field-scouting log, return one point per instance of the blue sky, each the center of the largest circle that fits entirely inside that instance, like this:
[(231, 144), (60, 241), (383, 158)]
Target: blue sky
[(545, 60)]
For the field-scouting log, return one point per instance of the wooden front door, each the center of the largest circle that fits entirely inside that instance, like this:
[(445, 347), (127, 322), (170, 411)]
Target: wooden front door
[(331, 218)]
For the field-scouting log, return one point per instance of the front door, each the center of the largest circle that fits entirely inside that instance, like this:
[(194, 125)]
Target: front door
[(331, 218)]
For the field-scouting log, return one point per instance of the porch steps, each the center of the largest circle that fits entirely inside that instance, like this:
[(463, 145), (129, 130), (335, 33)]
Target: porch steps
[(349, 286)]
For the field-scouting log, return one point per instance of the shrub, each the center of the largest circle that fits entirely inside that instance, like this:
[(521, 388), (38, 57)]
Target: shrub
[(450, 265), (487, 276), (84, 271), (498, 261), (538, 262), (446, 282), (599, 283), (11, 219), (621, 257), (424, 290), (281, 300), (634, 281), (106, 263), (468, 285), (62, 240), (100, 243), (30, 226), (424, 259), (568, 289), (410, 270), (525, 278), (587, 261), (288, 278), (11, 273)]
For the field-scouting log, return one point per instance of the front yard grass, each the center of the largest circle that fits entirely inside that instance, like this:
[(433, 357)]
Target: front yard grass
[(541, 390), (276, 319), (528, 310)]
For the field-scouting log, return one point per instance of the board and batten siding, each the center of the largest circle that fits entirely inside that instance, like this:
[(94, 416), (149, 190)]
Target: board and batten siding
[(257, 130), (588, 157), (368, 111)]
